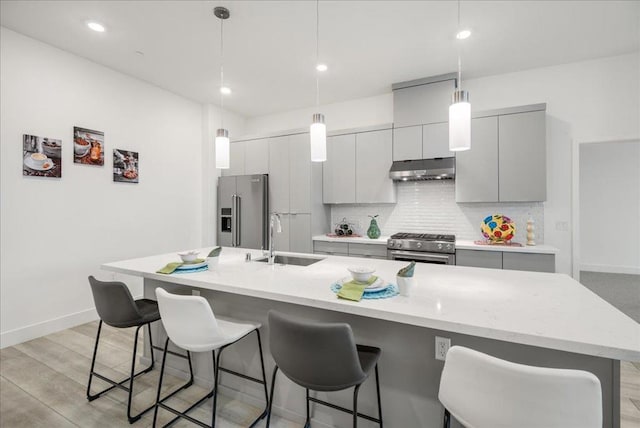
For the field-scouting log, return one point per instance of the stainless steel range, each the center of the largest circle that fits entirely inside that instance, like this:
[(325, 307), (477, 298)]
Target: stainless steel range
[(422, 248)]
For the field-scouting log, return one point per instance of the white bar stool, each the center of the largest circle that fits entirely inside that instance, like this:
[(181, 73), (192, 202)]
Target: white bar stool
[(482, 391), (192, 326)]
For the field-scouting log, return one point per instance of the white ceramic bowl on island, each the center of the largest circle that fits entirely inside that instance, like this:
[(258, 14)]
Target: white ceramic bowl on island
[(361, 273)]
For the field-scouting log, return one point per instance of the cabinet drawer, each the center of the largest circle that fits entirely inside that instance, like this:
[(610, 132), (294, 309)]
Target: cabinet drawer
[(331, 247), (368, 250), (529, 261), (479, 258)]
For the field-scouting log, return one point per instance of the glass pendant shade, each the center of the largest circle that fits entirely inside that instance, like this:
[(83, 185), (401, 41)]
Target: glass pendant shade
[(460, 122), (222, 149), (318, 134)]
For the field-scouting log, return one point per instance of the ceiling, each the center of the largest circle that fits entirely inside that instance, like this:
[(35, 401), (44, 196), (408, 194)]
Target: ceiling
[(368, 45)]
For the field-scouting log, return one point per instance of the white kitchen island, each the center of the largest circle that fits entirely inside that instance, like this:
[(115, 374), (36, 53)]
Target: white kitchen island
[(528, 317)]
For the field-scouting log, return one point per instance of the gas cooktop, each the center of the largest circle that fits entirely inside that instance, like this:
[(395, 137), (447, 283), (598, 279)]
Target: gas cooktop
[(423, 242)]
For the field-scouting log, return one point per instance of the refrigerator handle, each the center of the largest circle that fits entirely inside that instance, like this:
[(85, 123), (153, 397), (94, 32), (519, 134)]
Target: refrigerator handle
[(238, 222), (234, 220)]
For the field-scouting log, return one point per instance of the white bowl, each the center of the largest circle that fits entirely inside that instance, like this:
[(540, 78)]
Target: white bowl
[(190, 256), (361, 273)]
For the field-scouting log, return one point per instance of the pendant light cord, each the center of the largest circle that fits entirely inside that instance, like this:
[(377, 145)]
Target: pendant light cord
[(317, 52), (459, 85), (221, 73)]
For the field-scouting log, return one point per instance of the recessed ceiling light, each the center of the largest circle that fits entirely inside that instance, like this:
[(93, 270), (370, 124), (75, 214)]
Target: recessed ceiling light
[(464, 34), (225, 91), (96, 26), (322, 67)]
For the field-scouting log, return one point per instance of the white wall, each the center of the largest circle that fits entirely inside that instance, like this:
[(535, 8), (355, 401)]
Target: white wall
[(610, 207), (56, 232), (587, 101)]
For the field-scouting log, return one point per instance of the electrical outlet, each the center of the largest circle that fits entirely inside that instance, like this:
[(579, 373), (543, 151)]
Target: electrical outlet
[(442, 347), (195, 292), (562, 226)]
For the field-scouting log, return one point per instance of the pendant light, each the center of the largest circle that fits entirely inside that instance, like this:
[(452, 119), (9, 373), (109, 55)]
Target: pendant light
[(222, 134), (459, 111), (318, 129)]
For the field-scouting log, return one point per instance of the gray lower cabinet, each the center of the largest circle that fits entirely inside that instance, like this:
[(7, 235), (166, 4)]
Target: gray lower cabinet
[(477, 169), (374, 251), (529, 261), (332, 248), (479, 258), (535, 262)]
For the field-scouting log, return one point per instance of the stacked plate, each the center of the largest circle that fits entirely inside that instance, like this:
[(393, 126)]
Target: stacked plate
[(191, 266), (379, 285)]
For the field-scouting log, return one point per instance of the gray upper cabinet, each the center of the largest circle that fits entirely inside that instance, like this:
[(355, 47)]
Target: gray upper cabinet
[(417, 105), (522, 157), (299, 174), (435, 141), (374, 159), (279, 183), (407, 143), (339, 171), (256, 157), (477, 169), (507, 160)]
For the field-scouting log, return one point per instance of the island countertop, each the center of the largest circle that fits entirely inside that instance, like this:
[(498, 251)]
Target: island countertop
[(532, 308)]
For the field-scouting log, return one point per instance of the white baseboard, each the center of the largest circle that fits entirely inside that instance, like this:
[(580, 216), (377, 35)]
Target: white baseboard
[(23, 334), (610, 269)]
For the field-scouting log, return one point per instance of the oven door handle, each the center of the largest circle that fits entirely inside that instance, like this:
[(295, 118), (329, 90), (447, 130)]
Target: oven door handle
[(418, 256)]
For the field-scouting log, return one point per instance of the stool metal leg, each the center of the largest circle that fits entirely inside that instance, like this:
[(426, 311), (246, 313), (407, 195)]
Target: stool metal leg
[(273, 385), (264, 381), (164, 360), (446, 423), (355, 405), (307, 423), (378, 392), (120, 384)]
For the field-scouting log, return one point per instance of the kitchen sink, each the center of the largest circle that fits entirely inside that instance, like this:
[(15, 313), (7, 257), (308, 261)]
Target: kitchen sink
[(292, 260)]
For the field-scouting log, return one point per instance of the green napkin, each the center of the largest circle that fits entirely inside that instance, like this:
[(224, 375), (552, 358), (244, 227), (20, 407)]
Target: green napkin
[(354, 290), (171, 267), (215, 252)]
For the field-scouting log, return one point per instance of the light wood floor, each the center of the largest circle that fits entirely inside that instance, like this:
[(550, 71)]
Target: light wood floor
[(43, 383)]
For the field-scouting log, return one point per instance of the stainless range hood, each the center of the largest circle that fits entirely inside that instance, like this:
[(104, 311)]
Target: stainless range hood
[(423, 169)]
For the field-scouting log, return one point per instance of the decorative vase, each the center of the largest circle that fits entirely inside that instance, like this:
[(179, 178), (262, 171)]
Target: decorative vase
[(531, 232), (374, 231), (498, 228)]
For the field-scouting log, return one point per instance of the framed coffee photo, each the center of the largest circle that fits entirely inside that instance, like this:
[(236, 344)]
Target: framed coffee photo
[(41, 156), (88, 146)]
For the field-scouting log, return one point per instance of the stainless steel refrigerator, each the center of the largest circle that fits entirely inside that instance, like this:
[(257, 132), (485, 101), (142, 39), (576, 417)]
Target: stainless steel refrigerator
[(243, 211)]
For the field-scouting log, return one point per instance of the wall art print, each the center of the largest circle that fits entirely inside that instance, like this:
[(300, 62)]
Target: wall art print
[(125, 166), (41, 157), (88, 146)]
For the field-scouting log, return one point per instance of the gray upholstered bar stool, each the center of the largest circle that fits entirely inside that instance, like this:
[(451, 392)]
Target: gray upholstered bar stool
[(117, 308), (321, 357)]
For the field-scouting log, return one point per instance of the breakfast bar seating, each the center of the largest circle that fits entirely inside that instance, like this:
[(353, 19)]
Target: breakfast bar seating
[(322, 357), (191, 325), (116, 307)]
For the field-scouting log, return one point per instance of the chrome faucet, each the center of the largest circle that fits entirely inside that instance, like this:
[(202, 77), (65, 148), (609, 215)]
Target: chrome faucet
[(274, 221)]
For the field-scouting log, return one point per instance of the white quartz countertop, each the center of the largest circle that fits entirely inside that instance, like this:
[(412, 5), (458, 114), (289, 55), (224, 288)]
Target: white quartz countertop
[(540, 309), (540, 249), (461, 244), (361, 240)]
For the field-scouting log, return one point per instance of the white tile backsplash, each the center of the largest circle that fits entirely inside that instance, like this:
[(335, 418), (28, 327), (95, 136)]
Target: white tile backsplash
[(430, 207)]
